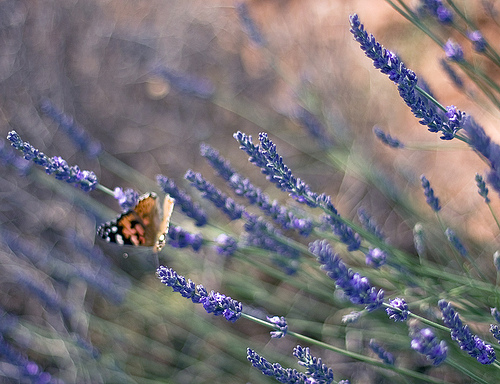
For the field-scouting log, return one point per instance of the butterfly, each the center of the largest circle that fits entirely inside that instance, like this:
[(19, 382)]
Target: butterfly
[(144, 225)]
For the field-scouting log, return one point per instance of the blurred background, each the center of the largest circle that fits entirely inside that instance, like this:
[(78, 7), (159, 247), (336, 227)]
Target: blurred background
[(149, 81)]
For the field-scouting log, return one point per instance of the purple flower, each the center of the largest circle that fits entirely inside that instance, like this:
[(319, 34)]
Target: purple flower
[(282, 375), (387, 139), (226, 245), (375, 258), (182, 199), (243, 187), (436, 9), (219, 199), (345, 233), (281, 326), (266, 157), (410, 88), (482, 189), (477, 40), (215, 302), (472, 344), (74, 131), (424, 342), (368, 223), (8, 157), (455, 78), (315, 368), (85, 180), (432, 200), (127, 199), (399, 310), (186, 83), (355, 286), (495, 331), (179, 238), (455, 241), (249, 25), (453, 51), (385, 356)]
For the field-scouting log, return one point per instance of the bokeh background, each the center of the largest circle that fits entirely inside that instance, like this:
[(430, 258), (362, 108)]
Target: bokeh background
[(101, 62)]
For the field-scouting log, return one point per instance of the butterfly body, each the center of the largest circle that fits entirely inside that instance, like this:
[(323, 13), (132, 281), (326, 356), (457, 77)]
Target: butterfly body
[(144, 225)]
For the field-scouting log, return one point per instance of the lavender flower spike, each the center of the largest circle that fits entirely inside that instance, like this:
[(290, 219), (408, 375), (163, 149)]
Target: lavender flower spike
[(425, 342), (406, 80), (400, 311), (282, 375), (183, 200), (127, 199), (249, 25), (385, 356), (386, 138), (281, 326), (432, 200), (482, 188), (436, 9), (267, 158), (215, 302), (220, 200), (453, 51), (472, 344), (315, 368), (86, 180), (355, 286)]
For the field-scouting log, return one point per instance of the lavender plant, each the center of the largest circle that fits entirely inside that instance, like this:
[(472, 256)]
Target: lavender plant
[(283, 256)]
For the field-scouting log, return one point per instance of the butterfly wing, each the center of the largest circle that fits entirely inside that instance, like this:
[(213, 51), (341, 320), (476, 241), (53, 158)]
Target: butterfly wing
[(161, 234), (139, 226)]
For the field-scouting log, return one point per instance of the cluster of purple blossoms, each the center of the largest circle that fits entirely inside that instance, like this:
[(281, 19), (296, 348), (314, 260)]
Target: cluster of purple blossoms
[(376, 257), (387, 139), (453, 51), (219, 199), (127, 199), (425, 342), (315, 368), (496, 314), (282, 375), (369, 224), (344, 232), (243, 187), (188, 84), (183, 200), (432, 200), (455, 78), (482, 188), (398, 310), (477, 40), (86, 180), (74, 131), (410, 88), (355, 286), (455, 241), (226, 245), (437, 9), (385, 356), (483, 144), (472, 344), (317, 372), (213, 302), (179, 238), (266, 157), (281, 326)]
